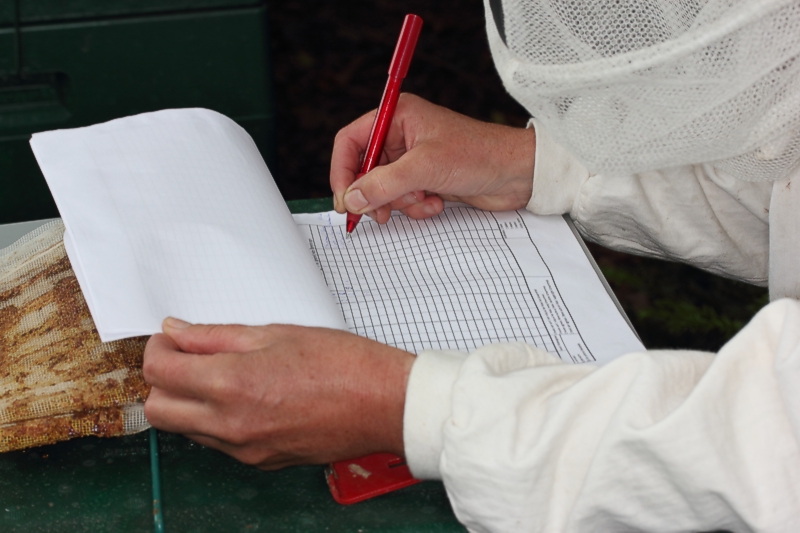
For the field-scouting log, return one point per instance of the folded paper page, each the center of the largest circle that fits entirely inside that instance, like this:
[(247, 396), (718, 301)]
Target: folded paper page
[(174, 213)]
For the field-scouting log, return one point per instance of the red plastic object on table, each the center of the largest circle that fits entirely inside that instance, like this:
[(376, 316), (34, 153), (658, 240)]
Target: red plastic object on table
[(398, 69), (361, 479)]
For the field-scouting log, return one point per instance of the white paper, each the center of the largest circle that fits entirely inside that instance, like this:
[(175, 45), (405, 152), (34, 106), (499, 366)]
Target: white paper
[(174, 213), (469, 278)]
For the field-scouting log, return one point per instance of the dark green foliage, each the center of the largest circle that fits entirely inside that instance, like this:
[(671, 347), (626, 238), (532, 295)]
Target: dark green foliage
[(678, 306)]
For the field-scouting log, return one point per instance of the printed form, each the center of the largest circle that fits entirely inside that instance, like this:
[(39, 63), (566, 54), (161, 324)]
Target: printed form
[(468, 278)]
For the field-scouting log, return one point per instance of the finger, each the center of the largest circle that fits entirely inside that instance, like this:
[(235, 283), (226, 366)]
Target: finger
[(430, 207), (179, 373), (212, 378), (382, 214), (407, 200), (349, 144), (414, 171), (174, 413), (214, 338), (159, 343), (161, 360)]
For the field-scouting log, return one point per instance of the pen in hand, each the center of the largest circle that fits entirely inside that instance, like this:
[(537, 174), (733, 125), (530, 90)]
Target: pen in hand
[(398, 69)]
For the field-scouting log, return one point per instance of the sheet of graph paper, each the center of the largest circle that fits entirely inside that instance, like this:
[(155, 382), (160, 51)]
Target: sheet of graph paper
[(174, 213), (469, 278)]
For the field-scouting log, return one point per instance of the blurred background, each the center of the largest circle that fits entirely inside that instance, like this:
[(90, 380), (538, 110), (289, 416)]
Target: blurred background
[(292, 73)]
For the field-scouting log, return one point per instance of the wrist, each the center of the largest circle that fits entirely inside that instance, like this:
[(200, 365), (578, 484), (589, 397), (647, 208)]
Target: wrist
[(524, 155), (515, 154), (389, 407)]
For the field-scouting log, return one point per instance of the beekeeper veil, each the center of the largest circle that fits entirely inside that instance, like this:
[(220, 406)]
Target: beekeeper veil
[(633, 85)]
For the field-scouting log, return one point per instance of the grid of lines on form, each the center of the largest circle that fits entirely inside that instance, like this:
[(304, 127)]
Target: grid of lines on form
[(451, 282)]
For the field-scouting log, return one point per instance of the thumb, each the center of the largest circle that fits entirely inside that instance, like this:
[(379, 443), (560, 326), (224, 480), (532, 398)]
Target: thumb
[(387, 183), (212, 338)]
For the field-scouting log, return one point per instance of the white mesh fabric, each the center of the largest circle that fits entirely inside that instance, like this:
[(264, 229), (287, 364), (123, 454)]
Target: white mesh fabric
[(133, 419), (633, 85), (57, 379)]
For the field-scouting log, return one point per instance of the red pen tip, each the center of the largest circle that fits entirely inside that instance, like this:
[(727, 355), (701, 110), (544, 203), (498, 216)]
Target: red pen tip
[(351, 225)]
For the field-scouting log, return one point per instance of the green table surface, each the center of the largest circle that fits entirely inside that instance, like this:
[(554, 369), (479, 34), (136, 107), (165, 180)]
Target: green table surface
[(93, 484)]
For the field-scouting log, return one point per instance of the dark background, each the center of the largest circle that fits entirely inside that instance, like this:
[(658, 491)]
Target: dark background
[(330, 61)]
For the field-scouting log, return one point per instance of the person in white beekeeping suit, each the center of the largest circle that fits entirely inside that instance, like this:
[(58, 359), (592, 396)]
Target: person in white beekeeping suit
[(664, 128)]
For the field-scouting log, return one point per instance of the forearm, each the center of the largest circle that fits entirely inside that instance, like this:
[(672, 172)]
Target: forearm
[(654, 441)]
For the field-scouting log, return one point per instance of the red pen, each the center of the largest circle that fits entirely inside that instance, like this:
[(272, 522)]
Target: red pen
[(383, 118)]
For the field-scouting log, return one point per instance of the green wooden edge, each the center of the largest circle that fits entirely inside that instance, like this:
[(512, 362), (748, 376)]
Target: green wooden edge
[(312, 205), (155, 472)]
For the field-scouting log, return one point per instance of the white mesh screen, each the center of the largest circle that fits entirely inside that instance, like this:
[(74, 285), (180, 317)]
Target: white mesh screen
[(133, 418), (57, 380), (632, 85)]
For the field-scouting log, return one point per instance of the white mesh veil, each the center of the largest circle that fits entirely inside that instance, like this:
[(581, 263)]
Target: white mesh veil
[(632, 85)]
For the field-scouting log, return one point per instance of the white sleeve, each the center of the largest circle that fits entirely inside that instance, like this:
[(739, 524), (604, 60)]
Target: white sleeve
[(653, 441), (695, 214)]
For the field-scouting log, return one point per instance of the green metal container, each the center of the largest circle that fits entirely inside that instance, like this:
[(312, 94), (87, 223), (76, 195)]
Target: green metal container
[(82, 62), (8, 50), (61, 10), (7, 13)]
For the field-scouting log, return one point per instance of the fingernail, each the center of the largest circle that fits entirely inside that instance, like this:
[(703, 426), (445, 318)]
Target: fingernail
[(354, 201), (430, 209), (176, 323), (410, 198)]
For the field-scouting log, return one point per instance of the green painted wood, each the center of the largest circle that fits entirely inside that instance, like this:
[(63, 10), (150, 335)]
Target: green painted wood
[(312, 205), (7, 13), (83, 485), (24, 194), (120, 67), (206, 491), (8, 53), (59, 10)]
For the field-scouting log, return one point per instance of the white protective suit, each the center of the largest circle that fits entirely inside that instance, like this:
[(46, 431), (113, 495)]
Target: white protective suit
[(654, 441)]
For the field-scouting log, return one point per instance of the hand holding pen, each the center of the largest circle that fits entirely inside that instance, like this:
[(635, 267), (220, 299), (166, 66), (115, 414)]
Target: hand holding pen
[(398, 69), (428, 154)]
